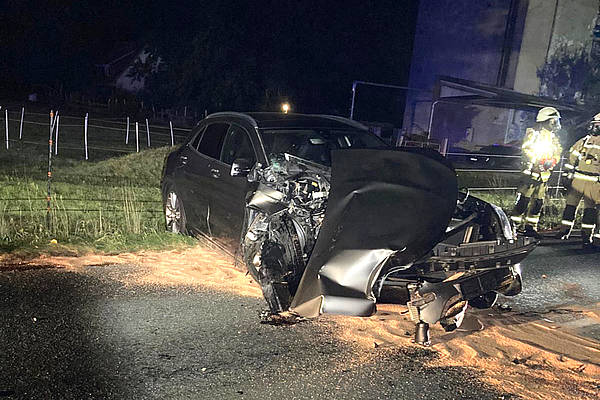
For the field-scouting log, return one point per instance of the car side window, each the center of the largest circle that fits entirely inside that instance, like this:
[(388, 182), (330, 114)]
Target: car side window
[(237, 145), (212, 140)]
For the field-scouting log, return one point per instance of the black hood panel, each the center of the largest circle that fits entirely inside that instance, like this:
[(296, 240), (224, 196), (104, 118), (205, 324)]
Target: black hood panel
[(381, 203)]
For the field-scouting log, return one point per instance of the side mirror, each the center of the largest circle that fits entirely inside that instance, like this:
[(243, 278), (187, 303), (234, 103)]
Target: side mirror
[(241, 167)]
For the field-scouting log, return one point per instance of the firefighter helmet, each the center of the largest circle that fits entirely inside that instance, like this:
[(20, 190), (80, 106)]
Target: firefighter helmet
[(547, 113)]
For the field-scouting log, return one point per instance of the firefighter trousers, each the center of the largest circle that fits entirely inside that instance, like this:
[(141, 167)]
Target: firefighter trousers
[(589, 191), (528, 207)]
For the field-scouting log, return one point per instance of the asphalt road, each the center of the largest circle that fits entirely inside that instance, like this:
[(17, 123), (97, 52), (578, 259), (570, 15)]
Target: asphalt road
[(67, 335), (560, 274)]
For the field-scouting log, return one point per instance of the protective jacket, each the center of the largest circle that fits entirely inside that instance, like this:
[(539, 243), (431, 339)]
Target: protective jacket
[(541, 151), (584, 170), (584, 159)]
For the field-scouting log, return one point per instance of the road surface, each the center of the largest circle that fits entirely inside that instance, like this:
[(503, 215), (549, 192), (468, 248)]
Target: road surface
[(91, 333)]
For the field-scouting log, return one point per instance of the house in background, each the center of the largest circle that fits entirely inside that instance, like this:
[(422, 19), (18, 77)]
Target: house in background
[(116, 71), (500, 43)]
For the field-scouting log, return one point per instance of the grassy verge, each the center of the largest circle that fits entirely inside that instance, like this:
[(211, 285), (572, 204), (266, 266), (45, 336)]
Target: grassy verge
[(112, 205)]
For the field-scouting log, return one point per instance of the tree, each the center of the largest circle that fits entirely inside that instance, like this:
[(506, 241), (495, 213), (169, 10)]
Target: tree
[(572, 74), (242, 55), (567, 73)]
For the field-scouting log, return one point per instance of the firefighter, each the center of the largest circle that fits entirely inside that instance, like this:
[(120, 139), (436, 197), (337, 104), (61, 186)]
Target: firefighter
[(582, 180), (541, 151)]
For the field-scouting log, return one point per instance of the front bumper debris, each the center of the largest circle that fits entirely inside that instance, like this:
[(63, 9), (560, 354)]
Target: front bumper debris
[(477, 256)]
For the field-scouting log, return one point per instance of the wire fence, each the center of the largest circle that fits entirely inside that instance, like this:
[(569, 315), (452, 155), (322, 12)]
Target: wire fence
[(86, 134)]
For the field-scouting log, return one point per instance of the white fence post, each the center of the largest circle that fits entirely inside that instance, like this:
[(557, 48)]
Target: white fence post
[(85, 135), (137, 137), (148, 131), (6, 115), (56, 135), (21, 127), (171, 126), (127, 134)]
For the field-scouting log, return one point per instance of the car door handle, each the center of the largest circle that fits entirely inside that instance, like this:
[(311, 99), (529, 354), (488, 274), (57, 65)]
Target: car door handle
[(215, 173), (183, 159)]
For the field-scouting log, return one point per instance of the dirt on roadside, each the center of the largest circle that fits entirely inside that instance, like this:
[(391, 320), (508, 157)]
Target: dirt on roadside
[(532, 355)]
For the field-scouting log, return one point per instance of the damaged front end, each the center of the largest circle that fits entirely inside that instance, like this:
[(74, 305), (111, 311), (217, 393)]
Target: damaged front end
[(283, 219), (378, 225), (477, 259)]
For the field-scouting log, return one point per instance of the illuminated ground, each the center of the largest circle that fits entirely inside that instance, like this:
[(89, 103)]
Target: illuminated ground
[(184, 324), (84, 334)]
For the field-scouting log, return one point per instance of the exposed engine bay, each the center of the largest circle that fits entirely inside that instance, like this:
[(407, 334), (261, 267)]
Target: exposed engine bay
[(284, 217), (390, 227)]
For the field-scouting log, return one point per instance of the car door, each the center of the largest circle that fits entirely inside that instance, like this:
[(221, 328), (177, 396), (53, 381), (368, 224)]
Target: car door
[(228, 204), (201, 175), (183, 173)]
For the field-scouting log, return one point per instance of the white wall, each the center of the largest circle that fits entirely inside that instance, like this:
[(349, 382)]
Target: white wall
[(548, 24)]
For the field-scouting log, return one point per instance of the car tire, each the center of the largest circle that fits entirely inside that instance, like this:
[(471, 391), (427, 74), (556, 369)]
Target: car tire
[(175, 220)]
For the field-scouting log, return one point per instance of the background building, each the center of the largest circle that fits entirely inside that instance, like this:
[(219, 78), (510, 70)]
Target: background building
[(497, 42)]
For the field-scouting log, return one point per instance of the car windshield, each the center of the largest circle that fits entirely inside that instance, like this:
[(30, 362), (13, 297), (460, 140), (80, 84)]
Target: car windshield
[(316, 144)]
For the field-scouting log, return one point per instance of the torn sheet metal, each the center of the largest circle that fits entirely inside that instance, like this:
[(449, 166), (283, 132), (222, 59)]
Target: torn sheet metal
[(382, 203)]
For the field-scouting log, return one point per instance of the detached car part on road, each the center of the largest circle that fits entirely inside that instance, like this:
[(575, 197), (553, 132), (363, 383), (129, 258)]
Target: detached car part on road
[(328, 219)]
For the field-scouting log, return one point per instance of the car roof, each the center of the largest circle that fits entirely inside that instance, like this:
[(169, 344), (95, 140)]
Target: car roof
[(277, 120)]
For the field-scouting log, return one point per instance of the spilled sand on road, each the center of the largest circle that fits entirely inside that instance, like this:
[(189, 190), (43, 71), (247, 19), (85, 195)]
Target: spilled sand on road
[(536, 356), (196, 266), (521, 354)]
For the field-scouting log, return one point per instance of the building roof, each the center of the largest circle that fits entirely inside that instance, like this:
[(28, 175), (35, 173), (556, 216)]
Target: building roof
[(476, 93)]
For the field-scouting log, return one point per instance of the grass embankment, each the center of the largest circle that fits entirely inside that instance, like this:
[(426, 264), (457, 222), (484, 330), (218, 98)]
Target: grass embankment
[(112, 205)]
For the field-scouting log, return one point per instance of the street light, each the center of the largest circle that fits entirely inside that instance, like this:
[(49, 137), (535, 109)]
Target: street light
[(285, 107)]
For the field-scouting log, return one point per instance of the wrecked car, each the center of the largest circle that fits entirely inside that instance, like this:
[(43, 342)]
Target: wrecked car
[(329, 219)]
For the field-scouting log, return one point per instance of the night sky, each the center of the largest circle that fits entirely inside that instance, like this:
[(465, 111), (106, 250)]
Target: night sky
[(234, 55)]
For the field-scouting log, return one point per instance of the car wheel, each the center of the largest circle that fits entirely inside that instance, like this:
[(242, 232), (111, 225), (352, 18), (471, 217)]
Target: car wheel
[(174, 213)]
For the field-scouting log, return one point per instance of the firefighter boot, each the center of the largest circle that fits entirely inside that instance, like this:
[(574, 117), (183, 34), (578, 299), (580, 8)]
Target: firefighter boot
[(596, 235), (568, 219), (532, 219), (588, 223), (518, 211)]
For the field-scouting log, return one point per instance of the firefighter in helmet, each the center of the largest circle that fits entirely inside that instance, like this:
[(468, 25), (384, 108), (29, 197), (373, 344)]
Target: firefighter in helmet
[(541, 151), (582, 180)]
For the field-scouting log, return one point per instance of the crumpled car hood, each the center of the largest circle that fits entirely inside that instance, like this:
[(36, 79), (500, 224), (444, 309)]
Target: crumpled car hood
[(382, 203)]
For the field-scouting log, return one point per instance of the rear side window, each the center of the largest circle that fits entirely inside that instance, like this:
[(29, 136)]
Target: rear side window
[(212, 140)]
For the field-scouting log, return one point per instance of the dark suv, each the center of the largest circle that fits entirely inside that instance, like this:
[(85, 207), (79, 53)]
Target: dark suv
[(328, 218)]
